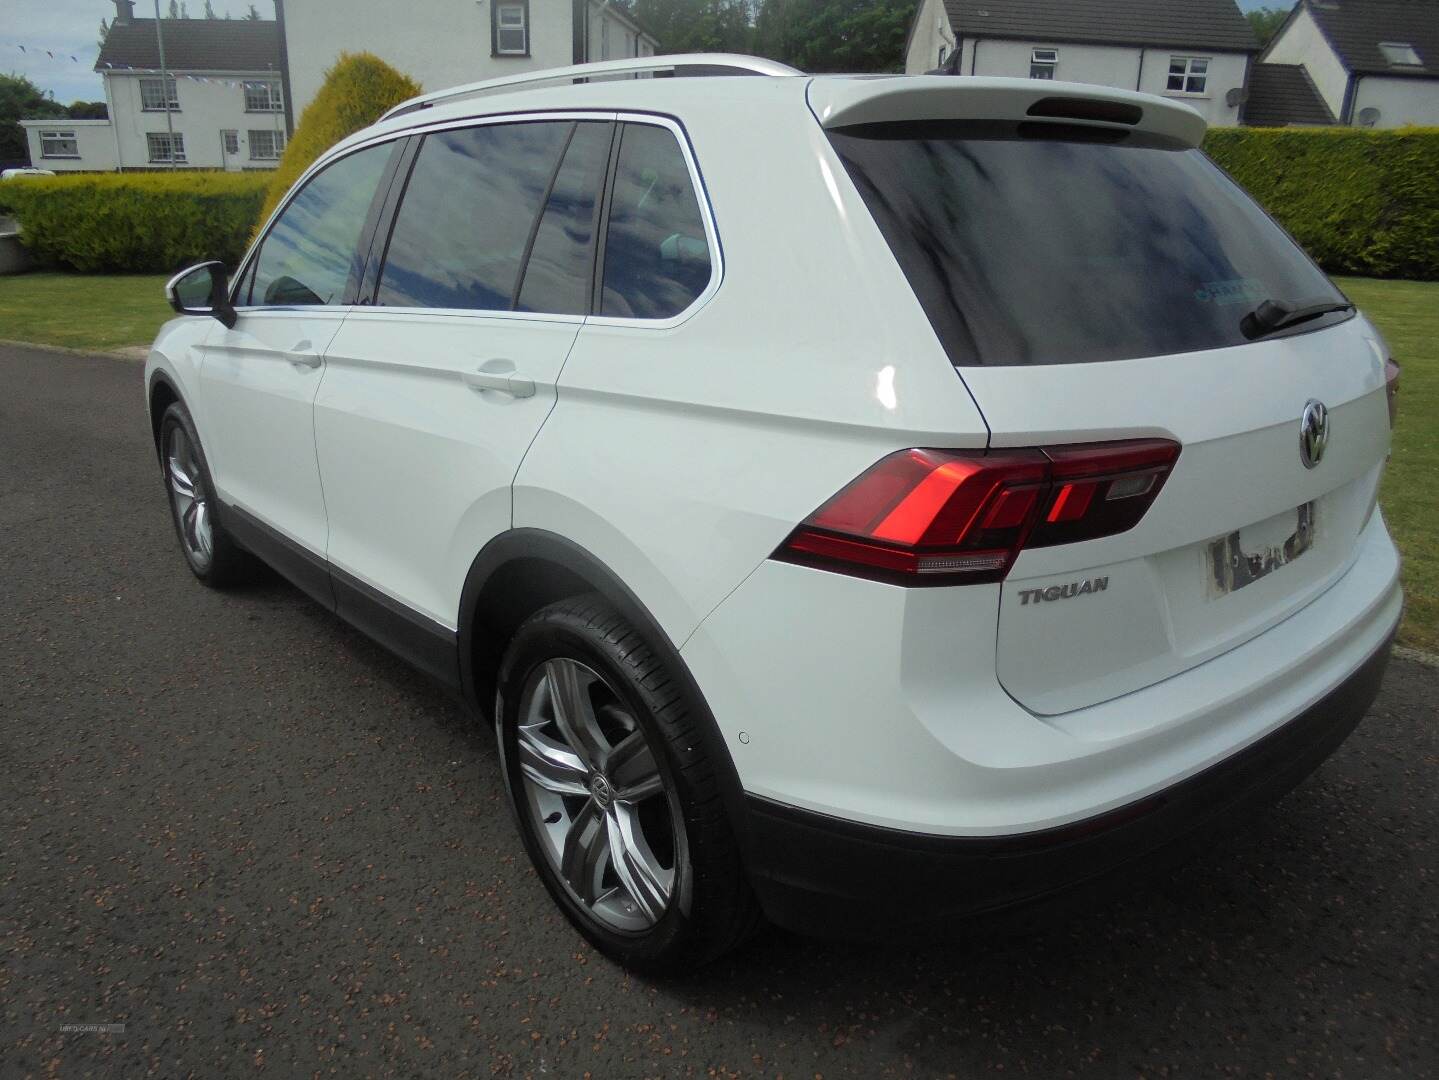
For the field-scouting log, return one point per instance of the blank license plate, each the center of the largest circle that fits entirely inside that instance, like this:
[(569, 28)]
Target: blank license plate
[(1232, 568)]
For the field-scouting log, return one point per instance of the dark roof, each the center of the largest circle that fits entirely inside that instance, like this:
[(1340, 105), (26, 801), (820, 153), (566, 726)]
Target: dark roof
[(193, 45), (1283, 94), (1356, 27), (1186, 24)]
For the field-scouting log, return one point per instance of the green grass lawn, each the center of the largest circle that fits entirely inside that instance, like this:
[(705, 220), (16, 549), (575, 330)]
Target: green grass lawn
[(83, 311), (1407, 314), (99, 312)]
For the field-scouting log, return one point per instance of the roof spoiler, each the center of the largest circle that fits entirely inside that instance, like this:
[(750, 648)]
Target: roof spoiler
[(844, 102)]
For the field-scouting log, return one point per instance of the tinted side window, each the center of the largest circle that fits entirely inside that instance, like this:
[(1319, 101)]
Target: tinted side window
[(656, 257), (467, 214), (557, 276), (309, 253)]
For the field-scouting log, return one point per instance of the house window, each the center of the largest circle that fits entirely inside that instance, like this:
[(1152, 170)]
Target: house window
[(153, 97), (1042, 63), (231, 140), (511, 29), (1400, 54), (266, 145), (164, 147), (1188, 74), (59, 144), (263, 97)]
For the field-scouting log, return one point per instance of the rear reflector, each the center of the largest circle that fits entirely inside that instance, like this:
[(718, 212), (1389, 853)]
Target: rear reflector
[(921, 517)]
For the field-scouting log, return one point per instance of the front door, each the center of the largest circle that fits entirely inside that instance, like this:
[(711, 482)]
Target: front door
[(230, 149), (259, 378)]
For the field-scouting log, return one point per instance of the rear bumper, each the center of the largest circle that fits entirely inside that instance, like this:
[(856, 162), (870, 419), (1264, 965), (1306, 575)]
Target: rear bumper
[(818, 874)]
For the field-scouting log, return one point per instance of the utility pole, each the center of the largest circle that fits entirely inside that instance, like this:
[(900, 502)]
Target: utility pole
[(165, 84)]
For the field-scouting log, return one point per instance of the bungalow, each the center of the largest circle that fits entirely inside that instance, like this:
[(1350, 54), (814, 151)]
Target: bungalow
[(1196, 50), (1373, 63)]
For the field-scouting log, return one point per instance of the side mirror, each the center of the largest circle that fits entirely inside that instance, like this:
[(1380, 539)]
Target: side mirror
[(202, 290)]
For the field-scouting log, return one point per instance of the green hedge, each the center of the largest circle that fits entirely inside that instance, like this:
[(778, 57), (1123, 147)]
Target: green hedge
[(134, 222), (357, 91), (1361, 202)]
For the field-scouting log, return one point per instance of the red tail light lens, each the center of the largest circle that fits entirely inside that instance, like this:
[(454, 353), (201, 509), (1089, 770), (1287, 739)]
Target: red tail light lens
[(948, 516)]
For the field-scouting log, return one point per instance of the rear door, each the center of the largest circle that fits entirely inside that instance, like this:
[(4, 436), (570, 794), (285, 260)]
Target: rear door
[(1093, 285), (259, 378), (437, 385)]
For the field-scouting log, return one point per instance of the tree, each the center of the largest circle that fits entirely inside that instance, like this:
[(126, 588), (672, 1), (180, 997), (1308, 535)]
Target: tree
[(174, 9), (104, 33), (252, 15), (210, 10), (87, 110), (20, 99), (834, 35), (698, 25), (1266, 22)]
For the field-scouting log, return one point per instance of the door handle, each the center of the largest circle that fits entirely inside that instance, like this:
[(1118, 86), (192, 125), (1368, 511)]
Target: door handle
[(303, 356), (499, 375)]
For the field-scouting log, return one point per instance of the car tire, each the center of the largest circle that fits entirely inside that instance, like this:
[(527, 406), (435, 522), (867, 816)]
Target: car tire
[(602, 753), (211, 553)]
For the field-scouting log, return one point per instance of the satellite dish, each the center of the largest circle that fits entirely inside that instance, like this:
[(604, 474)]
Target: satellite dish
[(1236, 97), (1368, 117)]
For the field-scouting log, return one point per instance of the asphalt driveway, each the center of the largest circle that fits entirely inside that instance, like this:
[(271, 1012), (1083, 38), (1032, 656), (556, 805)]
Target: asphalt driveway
[(260, 844)]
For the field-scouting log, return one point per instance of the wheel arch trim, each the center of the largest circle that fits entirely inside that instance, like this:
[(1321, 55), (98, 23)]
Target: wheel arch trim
[(543, 546)]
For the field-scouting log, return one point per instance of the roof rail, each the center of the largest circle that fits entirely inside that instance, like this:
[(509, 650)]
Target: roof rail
[(679, 65)]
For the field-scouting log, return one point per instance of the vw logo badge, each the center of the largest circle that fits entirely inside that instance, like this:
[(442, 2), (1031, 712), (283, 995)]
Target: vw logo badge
[(1313, 433)]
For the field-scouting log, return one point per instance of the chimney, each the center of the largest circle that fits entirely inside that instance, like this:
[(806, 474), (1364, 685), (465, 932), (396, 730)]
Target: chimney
[(124, 11)]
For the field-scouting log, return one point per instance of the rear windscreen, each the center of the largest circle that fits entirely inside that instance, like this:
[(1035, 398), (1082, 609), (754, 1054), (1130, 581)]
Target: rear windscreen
[(1046, 244)]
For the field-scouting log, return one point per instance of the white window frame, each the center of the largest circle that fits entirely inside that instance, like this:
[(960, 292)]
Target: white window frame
[(275, 138), (175, 143), (519, 16), (230, 140), (1190, 70), (254, 89), (155, 85), (58, 135), (1043, 62), (1399, 54)]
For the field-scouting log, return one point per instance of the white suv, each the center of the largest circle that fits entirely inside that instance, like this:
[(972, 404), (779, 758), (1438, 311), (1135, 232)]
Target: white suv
[(865, 501)]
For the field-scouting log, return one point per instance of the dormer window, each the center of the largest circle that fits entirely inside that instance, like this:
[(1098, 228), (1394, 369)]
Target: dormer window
[(1400, 54)]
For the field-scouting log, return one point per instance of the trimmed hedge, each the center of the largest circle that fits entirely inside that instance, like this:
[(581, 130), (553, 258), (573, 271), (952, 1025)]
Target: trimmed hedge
[(357, 91), (1360, 202), (135, 222)]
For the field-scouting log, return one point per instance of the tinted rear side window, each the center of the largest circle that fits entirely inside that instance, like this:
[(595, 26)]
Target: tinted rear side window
[(310, 252), (1055, 250), (657, 260), (557, 275), (467, 215)]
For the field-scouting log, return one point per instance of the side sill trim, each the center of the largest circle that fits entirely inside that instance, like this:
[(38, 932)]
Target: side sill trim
[(410, 635)]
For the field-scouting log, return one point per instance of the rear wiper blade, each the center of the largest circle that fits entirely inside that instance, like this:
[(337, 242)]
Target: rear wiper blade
[(1274, 315)]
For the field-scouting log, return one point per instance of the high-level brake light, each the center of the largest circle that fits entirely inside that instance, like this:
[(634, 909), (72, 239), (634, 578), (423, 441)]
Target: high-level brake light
[(931, 517)]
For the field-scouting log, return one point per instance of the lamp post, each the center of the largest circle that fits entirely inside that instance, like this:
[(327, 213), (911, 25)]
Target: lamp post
[(165, 84)]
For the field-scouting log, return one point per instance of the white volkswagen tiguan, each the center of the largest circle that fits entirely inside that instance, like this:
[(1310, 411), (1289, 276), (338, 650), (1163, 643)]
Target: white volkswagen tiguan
[(865, 502)]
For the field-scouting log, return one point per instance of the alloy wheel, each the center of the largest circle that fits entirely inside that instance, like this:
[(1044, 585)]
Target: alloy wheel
[(604, 815), (190, 499)]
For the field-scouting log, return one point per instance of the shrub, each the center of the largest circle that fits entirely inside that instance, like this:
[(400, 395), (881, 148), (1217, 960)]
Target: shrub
[(1360, 202), (357, 91), (135, 222)]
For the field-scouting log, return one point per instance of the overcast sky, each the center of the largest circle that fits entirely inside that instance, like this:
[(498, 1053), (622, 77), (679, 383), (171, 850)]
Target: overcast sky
[(69, 28)]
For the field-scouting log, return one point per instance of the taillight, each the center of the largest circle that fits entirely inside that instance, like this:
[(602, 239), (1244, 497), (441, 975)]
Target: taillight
[(944, 517), (1391, 388)]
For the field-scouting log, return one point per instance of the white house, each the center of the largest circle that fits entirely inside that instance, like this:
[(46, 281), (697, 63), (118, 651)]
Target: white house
[(222, 106), (1375, 63), (1196, 50), (442, 43)]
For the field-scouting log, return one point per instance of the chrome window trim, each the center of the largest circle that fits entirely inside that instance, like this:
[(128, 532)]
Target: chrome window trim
[(712, 239)]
